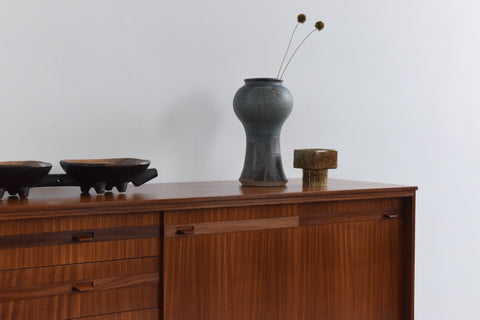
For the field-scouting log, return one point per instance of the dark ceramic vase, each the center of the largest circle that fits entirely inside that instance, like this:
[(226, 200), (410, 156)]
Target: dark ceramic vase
[(263, 105)]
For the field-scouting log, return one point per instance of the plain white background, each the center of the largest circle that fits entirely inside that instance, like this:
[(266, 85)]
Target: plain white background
[(392, 85)]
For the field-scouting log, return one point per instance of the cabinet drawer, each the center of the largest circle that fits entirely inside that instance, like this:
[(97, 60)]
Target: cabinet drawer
[(81, 287), (78, 246), (42, 256), (47, 225), (82, 304), (25, 282), (78, 236)]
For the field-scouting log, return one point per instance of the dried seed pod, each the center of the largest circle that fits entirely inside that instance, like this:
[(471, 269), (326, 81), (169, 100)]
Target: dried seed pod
[(301, 18), (319, 25)]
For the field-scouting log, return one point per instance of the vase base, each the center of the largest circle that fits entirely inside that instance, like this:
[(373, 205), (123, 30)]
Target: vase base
[(248, 183)]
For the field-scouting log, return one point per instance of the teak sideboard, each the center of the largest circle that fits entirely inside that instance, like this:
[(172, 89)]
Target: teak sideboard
[(208, 251)]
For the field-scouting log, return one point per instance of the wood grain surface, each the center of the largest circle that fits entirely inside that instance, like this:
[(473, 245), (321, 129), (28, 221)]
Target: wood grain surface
[(146, 314), (78, 253), (59, 224), (78, 236), (210, 251), (82, 304), (230, 226), (37, 277), (345, 269), (45, 202)]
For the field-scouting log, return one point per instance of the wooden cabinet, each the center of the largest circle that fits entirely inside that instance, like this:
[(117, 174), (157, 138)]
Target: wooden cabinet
[(211, 250)]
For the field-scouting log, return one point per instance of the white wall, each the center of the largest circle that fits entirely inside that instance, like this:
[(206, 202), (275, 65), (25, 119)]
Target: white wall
[(389, 84)]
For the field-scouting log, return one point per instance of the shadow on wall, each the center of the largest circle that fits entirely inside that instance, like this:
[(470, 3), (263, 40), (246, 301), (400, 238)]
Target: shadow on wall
[(187, 131)]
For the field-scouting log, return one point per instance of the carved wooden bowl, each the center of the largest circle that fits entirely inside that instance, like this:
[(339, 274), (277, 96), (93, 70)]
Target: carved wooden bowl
[(104, 174), (17, 177)]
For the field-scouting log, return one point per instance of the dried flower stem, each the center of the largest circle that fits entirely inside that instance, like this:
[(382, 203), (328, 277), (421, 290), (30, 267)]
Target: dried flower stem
[(294, 52), (288, 47)]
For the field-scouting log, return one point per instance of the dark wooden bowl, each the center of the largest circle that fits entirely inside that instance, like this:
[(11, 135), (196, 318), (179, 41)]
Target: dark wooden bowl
[(104, 174), (19, 176)]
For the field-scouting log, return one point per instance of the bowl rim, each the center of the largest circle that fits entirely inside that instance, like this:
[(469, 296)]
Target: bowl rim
[(25, 164), (106, 162)]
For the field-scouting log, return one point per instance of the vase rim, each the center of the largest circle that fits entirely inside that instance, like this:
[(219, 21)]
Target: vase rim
[(264, 80)]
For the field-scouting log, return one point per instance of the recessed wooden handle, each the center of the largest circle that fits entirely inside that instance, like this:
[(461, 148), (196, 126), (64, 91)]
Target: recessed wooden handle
[(82, 287), (186, 231), (391, 214), (83, 237)]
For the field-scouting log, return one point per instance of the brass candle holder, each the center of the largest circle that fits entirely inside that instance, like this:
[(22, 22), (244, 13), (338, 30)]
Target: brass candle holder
[(315, 164)]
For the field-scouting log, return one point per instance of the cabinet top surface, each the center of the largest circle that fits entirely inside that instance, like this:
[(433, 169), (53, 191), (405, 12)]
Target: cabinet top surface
[(171, 196)]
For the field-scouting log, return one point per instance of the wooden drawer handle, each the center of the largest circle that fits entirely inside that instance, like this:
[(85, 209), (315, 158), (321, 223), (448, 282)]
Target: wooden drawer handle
[(391, 214), (186, 231), (83, 237), (82, 287)]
